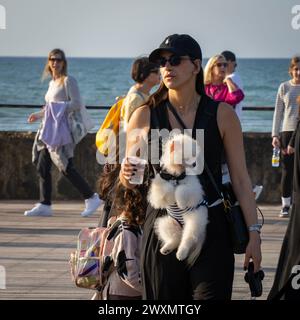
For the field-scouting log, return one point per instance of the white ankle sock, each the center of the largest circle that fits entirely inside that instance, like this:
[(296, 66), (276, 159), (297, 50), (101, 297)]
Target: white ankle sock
[(286, 202)]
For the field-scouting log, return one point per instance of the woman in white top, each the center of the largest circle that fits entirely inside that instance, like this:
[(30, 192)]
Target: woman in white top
[(284, 124), (63, 91)]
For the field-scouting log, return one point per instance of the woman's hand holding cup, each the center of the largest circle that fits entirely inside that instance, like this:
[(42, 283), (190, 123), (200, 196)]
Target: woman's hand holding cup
[(132, 169)]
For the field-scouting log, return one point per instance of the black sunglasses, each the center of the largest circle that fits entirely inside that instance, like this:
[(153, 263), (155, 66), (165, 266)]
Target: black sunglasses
[(173, 60), (220, 64), (56, 59)]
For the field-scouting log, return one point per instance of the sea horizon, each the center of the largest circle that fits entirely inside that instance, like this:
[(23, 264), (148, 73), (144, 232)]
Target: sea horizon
[(102, 79)]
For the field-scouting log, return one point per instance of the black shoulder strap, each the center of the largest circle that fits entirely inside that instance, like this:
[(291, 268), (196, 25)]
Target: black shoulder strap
[(114, 228), (208, 110), (154, 119), (156, 124), (158, 117)]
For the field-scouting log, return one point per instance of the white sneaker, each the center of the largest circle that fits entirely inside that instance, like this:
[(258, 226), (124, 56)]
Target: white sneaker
[(39, 210), (284, 213), (91, 205)]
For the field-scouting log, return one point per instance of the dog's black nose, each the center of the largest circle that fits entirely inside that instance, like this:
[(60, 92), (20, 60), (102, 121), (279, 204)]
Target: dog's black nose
[(194, 164)]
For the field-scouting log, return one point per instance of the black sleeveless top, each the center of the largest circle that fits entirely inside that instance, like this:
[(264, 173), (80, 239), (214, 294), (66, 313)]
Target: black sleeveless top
[(206, 118)]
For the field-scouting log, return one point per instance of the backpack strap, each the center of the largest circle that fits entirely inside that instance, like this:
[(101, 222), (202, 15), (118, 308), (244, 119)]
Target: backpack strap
[(156, 123), (113, 229), (138, 93)]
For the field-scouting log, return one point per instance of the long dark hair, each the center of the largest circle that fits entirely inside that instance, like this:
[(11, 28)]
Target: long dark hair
[(162, 92), (132, 202)]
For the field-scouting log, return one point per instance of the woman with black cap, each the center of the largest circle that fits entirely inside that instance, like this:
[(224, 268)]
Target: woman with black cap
[(182, 94)]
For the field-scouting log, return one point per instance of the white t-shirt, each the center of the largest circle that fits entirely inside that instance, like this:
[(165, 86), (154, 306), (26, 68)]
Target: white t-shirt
[(238, 81), (68, 92)]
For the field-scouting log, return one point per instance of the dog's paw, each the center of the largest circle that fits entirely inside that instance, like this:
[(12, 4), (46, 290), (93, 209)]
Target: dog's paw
[(164, 251), (167, 248), (182, 253)]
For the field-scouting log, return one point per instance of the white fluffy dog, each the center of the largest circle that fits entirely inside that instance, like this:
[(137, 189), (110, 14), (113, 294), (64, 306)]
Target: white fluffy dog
[(179, 191)]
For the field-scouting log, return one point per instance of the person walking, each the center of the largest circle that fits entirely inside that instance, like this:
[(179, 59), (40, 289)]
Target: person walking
[(217, 85), (54, 142), (284, 124), (125, 223), (285, 285), (223, 89), (182, 88), (234, 76), (146, 75)]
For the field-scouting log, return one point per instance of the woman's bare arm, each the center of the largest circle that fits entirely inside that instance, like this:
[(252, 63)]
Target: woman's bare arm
[(230, 130), (136, 135)]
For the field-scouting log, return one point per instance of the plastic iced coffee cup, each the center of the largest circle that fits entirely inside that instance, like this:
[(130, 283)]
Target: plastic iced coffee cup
[(138, 176)]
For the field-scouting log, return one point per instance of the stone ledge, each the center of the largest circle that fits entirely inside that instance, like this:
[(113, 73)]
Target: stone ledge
[(18, 177)]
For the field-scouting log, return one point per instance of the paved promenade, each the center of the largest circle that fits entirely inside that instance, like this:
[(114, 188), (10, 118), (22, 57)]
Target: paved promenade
[(35, 250)]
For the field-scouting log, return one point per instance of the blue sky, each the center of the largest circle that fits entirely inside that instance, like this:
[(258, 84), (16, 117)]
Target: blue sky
[(129, 28)]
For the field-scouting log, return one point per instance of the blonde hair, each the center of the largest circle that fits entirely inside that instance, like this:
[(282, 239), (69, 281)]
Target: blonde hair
[(47, 71), (208, 68)]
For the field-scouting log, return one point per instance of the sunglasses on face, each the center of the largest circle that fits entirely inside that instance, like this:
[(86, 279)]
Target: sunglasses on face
[(173, 60), (56, 59), (220, 64)]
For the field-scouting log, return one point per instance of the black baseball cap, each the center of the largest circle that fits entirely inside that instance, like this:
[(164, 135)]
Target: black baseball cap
[(229, 56), (179, 44)]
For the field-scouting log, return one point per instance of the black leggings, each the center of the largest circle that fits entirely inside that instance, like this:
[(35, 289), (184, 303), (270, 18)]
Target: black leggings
[(287, 163), (44, 165)]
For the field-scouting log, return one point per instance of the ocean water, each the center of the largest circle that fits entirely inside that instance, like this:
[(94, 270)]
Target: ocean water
[(101, 80)]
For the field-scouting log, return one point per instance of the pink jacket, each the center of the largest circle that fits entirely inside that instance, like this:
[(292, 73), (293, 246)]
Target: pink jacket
[(220, 92)]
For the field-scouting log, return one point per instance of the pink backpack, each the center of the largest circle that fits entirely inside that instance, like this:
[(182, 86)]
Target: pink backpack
[(91, 263)]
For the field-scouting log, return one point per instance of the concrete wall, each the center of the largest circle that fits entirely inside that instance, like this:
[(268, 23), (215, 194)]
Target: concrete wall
[(18, 178)]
